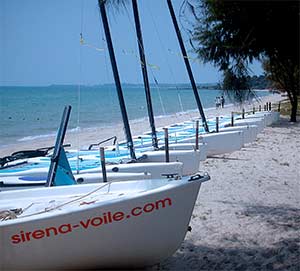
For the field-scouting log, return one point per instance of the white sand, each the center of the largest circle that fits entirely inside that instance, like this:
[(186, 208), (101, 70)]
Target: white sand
[(247, 217), (97, 134)]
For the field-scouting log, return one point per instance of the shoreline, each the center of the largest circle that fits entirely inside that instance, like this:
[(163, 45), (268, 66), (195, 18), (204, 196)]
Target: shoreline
[(91, 135), (246, 217)]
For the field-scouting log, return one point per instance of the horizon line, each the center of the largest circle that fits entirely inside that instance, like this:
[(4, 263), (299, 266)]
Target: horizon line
[(126, 83)]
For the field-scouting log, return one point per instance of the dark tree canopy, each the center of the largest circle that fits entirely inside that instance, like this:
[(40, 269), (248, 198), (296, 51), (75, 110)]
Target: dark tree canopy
[(233, 30), (231, 34)]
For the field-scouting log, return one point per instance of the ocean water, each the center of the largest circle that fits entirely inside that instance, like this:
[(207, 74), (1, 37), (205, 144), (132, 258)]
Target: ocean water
[(34, 112)]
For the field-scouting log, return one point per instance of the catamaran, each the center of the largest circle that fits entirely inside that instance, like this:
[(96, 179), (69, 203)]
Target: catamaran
[(128, 224), (69, 226)]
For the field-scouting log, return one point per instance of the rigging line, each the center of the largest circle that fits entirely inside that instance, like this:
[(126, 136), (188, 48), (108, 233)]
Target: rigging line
[(168, 64), (105, 58), (119, 49), (193, 59), (81, 16), (161, 44), (182, 9), (107, 77), (159, 96), (180, 101), (133, 52), (117, 80), (79, 87), (159, 92), (152, 66), (187, 65), (59, 206), (126, 52), (166, 58), (145, 74), (91, 46), (84, 43)]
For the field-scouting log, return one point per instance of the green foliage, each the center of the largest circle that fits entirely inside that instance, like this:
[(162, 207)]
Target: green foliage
[(259, 82), (233, 82), (237, 88), (282, 73), (286, 109), (232, 33), (116, 6)]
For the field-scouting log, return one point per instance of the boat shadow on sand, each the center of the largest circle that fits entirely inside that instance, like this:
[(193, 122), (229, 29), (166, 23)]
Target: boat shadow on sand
[(226, 158), (237, 254), (283, 255)]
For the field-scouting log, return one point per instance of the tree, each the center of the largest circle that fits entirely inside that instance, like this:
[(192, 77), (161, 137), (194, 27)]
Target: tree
[(236, 87), (231, 34)]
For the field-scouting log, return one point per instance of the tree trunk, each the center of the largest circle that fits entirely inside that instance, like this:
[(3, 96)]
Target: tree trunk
[(294, 104)]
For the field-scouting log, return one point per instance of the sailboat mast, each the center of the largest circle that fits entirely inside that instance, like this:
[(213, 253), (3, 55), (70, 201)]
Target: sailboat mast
[(144, 72), (187, 64), (59, 148), (116, 78)]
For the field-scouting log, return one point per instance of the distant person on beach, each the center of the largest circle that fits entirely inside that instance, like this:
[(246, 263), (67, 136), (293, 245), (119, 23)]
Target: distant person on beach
[(218, 102), (222, 101)]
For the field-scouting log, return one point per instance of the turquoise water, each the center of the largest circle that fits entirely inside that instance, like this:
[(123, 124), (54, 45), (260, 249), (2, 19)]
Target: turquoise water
[(33, 112)]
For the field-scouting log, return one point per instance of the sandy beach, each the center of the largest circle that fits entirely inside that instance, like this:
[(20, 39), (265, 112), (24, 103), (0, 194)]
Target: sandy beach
[(86, 137), (247, 217)]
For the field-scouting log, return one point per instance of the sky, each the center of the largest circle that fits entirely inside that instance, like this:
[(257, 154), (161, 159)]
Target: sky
[(40, 44)]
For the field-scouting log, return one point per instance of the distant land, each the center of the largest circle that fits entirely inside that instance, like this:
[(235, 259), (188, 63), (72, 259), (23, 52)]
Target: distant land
[(256, 82), (259, 82)]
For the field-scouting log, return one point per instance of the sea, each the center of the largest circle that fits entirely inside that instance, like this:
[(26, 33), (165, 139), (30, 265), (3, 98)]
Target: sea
[(29, 113)]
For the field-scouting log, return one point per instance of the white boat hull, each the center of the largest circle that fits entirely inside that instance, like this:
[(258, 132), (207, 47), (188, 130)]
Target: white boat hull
[(189, 158), (220, 143), (189, 146), (249, 132), (270, 117), (19, 182), (223, 142), (275, 116), (259, 122), (156, 169), (131, 231)]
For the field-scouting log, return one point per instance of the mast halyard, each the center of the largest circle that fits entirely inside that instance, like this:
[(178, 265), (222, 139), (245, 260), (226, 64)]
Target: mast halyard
[(187, 64), (144, 72), (116, 78)]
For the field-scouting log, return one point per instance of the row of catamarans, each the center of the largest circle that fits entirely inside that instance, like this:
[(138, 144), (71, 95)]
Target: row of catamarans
[(128, 214)]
